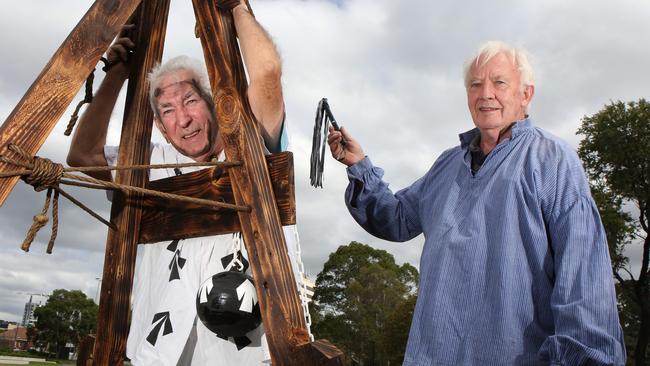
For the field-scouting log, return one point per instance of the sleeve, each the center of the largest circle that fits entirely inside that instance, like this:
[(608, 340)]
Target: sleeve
[(283, 141), (110, 153), (374, 206), (583, 300), (284, 136)]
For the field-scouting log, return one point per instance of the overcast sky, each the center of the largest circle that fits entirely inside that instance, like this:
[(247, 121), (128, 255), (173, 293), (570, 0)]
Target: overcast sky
[(392, 71)]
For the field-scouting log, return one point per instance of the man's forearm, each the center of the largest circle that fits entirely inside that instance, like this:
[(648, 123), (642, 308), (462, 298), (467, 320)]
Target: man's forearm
[(87, 146)]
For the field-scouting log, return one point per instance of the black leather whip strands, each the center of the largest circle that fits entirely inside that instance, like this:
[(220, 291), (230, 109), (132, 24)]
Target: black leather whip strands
[(324, 118)]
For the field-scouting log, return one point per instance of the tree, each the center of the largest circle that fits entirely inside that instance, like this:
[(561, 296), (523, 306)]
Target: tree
[(66, 317), (397, 330), (356, 298), (616, 156)]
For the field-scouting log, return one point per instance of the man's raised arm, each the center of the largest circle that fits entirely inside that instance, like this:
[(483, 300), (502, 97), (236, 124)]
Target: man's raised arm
[(87, 146), (264, 71)]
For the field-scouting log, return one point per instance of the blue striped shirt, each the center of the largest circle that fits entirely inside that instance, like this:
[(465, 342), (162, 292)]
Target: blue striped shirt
[(515, 268)]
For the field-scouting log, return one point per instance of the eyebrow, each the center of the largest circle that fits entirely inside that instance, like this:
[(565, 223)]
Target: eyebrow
[(192, 82), (189, 93)]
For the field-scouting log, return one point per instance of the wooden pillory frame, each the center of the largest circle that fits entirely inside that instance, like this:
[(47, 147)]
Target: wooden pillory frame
[(256, 183)]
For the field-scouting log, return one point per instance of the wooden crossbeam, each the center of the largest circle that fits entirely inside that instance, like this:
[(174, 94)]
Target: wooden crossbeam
[(34, 117), (169, 220)]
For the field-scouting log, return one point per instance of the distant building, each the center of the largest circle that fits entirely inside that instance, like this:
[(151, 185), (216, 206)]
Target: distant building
[(4, 324), (309, 288), (28, 314), (15, 339)]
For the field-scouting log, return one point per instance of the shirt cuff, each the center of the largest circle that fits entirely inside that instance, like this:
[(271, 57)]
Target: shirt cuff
[(362, 166)]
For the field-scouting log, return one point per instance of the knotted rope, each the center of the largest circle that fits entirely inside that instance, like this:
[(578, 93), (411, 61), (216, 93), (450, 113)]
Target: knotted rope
[(42, 173)]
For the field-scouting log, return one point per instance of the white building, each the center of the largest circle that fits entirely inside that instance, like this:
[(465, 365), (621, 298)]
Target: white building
[(309, 288), (28, 314)]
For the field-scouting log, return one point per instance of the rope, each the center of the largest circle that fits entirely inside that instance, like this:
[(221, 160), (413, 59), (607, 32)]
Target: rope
[(39, 221), (42, 173), (88, 97)]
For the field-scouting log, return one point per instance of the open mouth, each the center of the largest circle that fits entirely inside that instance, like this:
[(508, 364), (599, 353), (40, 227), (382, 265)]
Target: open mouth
[(189, 136), (488, 109)]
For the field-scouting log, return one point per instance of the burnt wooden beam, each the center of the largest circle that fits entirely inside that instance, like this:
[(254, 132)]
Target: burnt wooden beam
[(119, 261), (32, 120), (280, 305), (169, 220)]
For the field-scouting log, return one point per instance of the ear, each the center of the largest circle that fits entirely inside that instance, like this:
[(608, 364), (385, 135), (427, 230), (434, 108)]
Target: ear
[(161, 128), (529, 91)]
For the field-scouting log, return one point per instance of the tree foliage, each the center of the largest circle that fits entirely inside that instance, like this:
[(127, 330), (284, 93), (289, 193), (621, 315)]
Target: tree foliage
[(616, 157), (66, 317), (363, 303)]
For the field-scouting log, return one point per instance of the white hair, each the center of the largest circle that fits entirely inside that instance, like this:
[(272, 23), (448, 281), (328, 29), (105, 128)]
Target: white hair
[(179, 64), (490, 49)]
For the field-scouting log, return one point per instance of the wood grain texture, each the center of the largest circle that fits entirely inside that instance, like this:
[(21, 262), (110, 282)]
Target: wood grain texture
[(280, 305), (85, 349), (32, 120), (319, 353), (119, 262), (169, 220)]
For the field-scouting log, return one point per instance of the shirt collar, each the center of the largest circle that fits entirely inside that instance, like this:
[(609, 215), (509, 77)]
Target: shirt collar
[(469, 139)]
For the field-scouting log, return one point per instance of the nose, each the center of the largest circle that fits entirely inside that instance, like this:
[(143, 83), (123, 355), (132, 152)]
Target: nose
[(487, 91), (183, 117)]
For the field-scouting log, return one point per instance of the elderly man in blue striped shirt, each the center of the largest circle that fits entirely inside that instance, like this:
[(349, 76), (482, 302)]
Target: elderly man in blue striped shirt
[(515, 268)]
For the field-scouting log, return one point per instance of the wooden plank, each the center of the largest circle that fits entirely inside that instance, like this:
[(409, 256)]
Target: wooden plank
[(32, 120), (85, 349), (169, 220), (119, 262), (280, 305)]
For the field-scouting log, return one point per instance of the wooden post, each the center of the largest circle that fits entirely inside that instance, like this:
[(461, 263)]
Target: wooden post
[(282, 313), (32, 120), (119, 262)]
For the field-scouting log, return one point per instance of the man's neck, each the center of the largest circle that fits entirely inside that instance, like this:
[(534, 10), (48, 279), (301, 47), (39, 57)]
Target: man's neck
[(214, 154), (490, 138)]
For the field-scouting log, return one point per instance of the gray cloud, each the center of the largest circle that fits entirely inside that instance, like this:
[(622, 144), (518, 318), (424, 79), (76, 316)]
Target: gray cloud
[(392, 72)]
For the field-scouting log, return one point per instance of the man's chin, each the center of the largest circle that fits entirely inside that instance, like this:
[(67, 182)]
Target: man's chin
[(488, 124), (197, 155)]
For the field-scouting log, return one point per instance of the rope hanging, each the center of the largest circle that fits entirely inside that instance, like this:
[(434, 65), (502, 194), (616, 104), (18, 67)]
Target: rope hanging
[(324, 117), (42, 173), (88, 97)]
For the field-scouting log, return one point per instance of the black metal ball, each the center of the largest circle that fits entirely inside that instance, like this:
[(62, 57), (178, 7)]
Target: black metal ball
[(227, 304)]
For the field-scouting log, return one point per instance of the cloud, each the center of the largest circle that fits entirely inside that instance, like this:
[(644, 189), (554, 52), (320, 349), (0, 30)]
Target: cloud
[(392, 73)]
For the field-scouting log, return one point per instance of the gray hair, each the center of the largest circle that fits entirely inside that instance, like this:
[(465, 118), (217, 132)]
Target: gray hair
[(178, 64), (492, 48)]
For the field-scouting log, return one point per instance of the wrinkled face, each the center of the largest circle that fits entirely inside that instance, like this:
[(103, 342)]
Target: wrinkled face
[(494, 94), (185, 119)]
